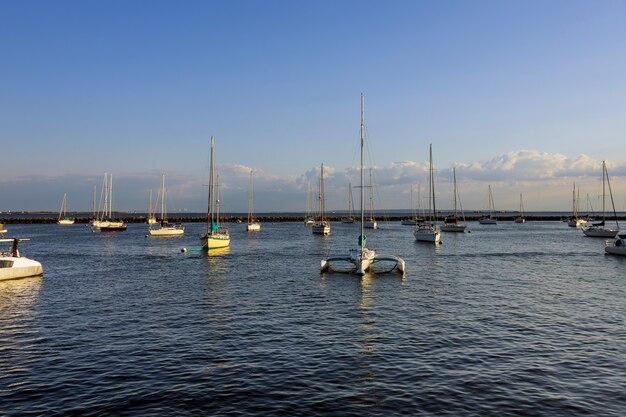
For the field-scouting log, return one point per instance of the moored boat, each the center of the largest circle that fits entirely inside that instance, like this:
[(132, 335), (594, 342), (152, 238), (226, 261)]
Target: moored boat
[(14, 266), (216, 236)]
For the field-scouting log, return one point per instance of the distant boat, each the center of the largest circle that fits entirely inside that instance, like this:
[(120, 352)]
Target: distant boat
[(618, 247), (2, 229), (370, 222), (414, 220), (63, 217), (308, 218), (165, 228), (14, 266), (216, 236), (350, 218), (489, 219), (151, 217), (520, 218), (321, 226), (360, 260), (428, 231), (575, 220), (253, 225), (600, 229), (451, 224), (105, 222)]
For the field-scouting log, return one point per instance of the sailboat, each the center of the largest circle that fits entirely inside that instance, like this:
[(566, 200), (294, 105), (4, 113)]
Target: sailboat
[(520, 218), (216, 236), (428, 231), (370, 222), (350, 218), (165, 228), (308, 218), (414, 220), (451, 224), (321, 226), (105, 221), (63, 217), (490, 219), (151, 217), (599, 229), (361, 260), (253, 225), (576, 221), (618, 247)]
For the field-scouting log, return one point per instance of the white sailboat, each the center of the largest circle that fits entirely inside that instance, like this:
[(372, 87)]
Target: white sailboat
[(576, 221), (165, 228), (490, 219), (321, 226), (63, 217), (370, 222), (216, 236), (104, 221), (617, 247), (151, 217), (414, 220), (253, 225), (428, 231), (360, 260), (308, 218), (350, 218), (451, 224), (520, 218), (600, 229), (14, 266)]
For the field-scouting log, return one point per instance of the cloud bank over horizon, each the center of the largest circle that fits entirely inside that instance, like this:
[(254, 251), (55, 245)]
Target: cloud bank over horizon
[(544, 178)]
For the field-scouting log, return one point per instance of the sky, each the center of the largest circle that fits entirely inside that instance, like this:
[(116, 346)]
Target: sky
[(529, 97)]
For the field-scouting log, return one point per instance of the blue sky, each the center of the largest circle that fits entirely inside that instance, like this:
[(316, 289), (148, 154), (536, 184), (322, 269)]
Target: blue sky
[(528, 96)]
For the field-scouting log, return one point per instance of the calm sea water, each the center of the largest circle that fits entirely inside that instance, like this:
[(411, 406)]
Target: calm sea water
[(505, 320)]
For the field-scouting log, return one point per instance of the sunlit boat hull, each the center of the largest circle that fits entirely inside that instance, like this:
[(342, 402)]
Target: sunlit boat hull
[(15, 268), (321, 228), (66, 221), (599, 231), (168, 231), (215, 241), (253, 227)]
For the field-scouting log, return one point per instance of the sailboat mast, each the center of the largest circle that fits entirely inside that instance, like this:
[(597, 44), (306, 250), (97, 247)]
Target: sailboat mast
[(321, 196), (250, 196), (94, 201), (162, 197), (362, 236), (454, 191), (110, 195), (603, 192), (210, 198), (431, 194), (105, 190)]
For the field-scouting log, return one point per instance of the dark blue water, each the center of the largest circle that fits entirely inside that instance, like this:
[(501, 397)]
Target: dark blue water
[(507, 320)]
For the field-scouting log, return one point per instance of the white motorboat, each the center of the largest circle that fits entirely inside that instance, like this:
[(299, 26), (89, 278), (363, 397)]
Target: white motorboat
[(452, 224), (165, 228), (252, 225), (14, 266), (321, 226), (428, 231), (617, 247), (489, 219), (600, 229), (216, 236), (64, 219), (361, 260)]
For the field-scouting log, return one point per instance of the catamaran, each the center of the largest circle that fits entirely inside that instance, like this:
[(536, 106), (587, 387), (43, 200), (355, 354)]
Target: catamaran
[(321, 226), (451, 224), (428, 231), (216, 236), (520, 218), (253, 225), (490, 219), (63, 217), (362, 259), (350, 218), (599, 229), (13, 265), (165, 228)]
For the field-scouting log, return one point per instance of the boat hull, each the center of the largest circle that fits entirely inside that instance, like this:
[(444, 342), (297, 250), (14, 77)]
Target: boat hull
[(215, 241), (320, 229), (66, 221), (167, 232), (427, 235), (19, 268), (600, 232), (488, 221), (520, 220), (454, 228), (370, 224), (253, 227)]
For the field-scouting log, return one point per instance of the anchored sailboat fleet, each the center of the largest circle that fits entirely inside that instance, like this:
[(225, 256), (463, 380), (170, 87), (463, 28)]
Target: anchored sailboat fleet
[(104, 221), (216, 236), (362, 258)]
